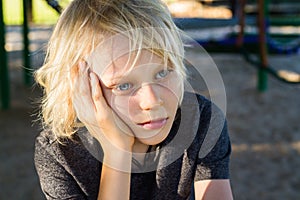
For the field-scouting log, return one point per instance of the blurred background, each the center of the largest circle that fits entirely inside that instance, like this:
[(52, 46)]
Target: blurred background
[(255, 45)]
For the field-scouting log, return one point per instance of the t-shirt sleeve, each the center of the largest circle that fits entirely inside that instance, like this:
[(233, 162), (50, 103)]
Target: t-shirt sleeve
[(56, 182), (215, 149)]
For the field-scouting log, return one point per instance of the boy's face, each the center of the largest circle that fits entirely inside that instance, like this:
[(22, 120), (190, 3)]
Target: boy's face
[(144, 92)]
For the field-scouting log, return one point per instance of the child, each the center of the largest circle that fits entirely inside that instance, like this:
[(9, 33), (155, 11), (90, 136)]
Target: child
[(117, 122)]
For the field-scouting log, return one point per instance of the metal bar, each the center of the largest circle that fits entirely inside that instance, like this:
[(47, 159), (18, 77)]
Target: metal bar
[(26, 53), (285, 21), (4, 76), (263, 49), (242, 19)]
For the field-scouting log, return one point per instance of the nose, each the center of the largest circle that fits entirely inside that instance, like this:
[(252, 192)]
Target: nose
[(150, 97)]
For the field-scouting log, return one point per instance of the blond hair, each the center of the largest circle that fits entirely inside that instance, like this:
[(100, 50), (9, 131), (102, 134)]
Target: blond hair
[(81, 27)]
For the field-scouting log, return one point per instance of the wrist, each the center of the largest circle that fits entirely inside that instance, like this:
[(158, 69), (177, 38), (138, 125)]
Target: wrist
[(119, 160), (116, 145)]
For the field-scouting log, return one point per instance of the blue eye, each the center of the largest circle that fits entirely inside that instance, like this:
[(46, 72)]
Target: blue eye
[(162, 74), (124, 86)]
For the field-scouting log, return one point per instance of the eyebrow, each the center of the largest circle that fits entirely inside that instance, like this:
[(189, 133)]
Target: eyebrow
[(115, 79)]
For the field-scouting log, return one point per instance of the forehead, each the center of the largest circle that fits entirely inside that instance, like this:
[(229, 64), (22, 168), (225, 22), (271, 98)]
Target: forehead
[(110, 49), (116, 57)]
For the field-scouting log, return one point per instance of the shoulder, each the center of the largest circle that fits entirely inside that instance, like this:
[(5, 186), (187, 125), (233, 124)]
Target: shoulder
[(46, 146), (212, 138), (66, 153), (46, 141), (60, 163), (210, 149)]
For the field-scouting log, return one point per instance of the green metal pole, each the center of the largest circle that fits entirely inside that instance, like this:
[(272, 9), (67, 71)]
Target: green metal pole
[(26, 53), (4, 77), (262, 72)]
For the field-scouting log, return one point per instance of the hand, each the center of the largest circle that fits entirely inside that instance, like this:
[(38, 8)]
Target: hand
[(94, 112)]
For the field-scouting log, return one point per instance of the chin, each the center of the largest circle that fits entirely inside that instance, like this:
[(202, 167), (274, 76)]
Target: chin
[(150, 142), (155, 139)]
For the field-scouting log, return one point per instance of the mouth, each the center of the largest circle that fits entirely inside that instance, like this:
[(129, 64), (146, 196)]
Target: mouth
[(154, 124)]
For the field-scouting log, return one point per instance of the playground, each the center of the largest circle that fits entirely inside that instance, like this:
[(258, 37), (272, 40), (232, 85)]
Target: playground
[(264, 125)]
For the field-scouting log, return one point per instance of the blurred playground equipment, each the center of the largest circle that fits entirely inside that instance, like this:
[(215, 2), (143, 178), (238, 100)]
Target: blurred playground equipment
[(58, 5), (55, 5), (4, 78), (260, 27), (255, 28), (278, 27), (26, 21)]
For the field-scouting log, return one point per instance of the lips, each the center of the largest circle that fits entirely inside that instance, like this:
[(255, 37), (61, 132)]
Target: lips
[(154, 124)]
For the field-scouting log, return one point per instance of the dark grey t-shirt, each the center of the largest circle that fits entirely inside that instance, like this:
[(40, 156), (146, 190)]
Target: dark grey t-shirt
[(197, 148)]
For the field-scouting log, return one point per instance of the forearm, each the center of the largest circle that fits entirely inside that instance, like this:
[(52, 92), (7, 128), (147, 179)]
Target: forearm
[(115, 181), (213, 189)]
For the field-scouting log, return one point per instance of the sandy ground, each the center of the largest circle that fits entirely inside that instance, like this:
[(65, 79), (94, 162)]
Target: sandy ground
[(264, 128)]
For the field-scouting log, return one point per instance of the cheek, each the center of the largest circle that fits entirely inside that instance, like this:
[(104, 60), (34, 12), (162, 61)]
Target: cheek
[(120, 104), (172, 90), (124, 106)]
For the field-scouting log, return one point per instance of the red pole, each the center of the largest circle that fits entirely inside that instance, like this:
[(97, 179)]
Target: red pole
[(241, 16)]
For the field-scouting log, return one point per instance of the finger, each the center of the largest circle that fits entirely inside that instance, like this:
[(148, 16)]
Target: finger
[(83, 80), (82, 99), (75, 73), (97, 95), (106, 113)]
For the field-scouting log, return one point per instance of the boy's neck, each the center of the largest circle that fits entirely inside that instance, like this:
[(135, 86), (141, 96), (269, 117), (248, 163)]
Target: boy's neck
[(139, 147)]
